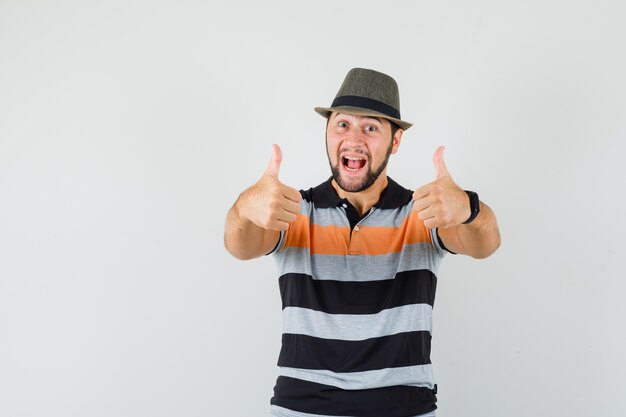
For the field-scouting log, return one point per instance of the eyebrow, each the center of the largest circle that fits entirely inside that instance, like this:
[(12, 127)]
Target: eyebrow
[(375, 118), (365, 117)]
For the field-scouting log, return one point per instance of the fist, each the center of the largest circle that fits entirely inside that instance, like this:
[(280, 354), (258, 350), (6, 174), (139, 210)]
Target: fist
[(441, 203), (269, 203)]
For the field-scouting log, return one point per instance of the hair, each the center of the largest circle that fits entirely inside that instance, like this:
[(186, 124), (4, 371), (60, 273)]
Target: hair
[(394, 128)]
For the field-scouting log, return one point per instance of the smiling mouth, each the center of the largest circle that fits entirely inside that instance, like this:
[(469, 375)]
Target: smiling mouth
[(352, 163)]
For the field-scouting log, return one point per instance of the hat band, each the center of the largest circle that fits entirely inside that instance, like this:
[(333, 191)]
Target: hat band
[(367, 103)]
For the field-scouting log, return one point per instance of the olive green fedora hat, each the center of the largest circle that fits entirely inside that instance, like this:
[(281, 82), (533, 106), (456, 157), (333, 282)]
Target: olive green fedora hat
[(366, 92)]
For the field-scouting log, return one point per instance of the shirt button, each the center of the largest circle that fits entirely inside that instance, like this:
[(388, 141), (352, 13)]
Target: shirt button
[(344, 205), (356, 228)]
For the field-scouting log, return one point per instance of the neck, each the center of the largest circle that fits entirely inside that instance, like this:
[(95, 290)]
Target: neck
[(364, 200)]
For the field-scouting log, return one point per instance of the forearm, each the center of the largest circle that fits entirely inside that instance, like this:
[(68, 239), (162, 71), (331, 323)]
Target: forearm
[(254, 222), (480, 238), (244, 239)]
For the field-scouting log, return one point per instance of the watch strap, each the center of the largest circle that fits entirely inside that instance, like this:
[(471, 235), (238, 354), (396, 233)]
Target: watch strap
[(474, 206)]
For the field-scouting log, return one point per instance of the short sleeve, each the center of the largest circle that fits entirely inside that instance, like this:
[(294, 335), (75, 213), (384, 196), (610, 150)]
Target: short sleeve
[(437, 243), (279, 243)]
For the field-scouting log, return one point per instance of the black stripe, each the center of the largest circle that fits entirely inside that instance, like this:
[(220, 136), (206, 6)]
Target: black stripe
[(367, 103), (394, 401), (357, 297), (401, 349), (325, 196)]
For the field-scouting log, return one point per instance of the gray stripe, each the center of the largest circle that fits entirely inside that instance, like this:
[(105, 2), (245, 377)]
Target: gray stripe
[(278, 411), (358, 267), (305, 207), (433, 236), (280, 244), (332, 216), (336, 216), (417, 376), (408, 318)]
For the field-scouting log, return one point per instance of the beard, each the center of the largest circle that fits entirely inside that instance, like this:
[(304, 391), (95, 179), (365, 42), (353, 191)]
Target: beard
[(370, 176)]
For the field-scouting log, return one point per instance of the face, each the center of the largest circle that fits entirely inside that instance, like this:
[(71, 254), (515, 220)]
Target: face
[(358, 149)]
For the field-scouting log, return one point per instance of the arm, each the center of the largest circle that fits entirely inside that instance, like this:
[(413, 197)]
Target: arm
[(478, 239), (254, 222), (245, 240), (445, 205)]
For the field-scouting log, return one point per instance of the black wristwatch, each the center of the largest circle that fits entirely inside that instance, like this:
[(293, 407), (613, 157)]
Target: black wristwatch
[(474, 206)]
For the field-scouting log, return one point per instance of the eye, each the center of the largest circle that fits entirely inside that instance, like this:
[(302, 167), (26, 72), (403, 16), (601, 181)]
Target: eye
[(342, 124), (371, 128)]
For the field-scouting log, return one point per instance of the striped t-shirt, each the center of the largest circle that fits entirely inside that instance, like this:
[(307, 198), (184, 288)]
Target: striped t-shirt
[(357, 298)]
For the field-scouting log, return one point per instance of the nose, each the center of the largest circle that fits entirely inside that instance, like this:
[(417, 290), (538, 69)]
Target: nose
[(354, 137)]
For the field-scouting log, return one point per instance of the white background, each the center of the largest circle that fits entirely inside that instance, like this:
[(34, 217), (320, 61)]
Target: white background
[(127, 129)]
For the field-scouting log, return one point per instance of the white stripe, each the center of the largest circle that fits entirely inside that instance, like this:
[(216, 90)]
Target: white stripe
[(416, 376), (408, 318), (278, 411), (336, 216), (358, 267)]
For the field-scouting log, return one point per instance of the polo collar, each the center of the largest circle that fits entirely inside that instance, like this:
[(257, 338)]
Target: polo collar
[(393, 196)]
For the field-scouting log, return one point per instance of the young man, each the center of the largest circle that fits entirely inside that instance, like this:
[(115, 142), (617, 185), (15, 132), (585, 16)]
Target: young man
[(358, 257)]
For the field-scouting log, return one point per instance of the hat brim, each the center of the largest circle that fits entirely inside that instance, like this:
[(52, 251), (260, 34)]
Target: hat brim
[(360, 111)]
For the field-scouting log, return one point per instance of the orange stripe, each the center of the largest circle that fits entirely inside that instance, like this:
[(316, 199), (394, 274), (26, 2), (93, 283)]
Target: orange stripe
[(328, 240), (368, 240)]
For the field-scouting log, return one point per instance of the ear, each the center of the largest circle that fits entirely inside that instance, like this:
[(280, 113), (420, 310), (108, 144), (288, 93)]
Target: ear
[(397, 138)]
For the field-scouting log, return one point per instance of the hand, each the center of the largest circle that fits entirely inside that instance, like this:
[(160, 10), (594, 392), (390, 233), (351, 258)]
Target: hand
[(441, 203), (269, 203)]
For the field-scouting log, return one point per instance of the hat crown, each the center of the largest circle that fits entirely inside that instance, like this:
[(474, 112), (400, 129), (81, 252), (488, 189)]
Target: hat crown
[(368, 93), (363, 82)]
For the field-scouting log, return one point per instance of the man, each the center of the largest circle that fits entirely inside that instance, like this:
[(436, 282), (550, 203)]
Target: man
[(357, 258)]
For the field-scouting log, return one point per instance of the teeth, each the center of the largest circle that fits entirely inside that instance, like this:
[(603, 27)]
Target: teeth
[(352, 158)]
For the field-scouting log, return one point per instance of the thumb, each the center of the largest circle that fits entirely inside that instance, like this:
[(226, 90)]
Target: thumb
[(440, 167), (274, 166)]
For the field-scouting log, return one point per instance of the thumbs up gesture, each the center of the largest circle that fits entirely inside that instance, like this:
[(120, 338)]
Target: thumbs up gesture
[(441, 203), (269, 203)]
